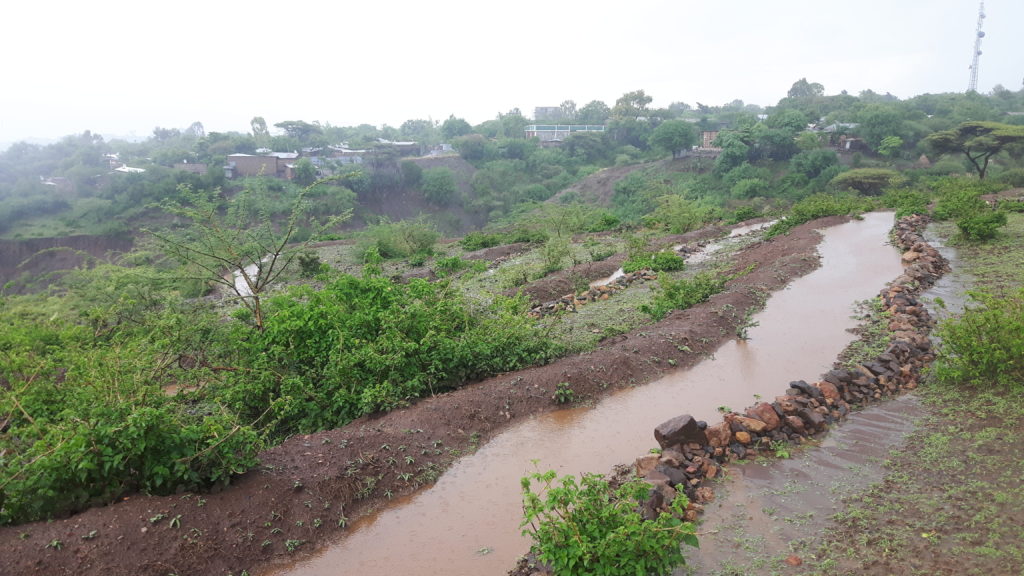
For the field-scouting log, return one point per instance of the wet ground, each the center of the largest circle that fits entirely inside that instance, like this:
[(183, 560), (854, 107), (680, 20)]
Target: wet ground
[(767, 512), (467, 523)]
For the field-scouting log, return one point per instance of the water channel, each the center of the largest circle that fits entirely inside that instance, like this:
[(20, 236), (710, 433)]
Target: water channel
[(467, 524)]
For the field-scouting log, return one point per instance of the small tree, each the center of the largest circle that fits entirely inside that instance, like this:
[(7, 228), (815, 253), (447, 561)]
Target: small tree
[(867, 181), (228, 242), (674, 136), (439, 185)]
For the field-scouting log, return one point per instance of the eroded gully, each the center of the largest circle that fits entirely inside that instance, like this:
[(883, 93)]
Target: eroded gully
[(467, 524)]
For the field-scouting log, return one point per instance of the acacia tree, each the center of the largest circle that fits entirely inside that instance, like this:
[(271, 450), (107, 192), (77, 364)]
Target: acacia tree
[(978, 141), (234, 243)]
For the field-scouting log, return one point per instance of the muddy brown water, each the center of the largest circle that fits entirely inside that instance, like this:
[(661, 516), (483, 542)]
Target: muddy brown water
[(467, 524)]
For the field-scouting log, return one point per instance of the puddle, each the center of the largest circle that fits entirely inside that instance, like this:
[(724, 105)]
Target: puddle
[(950, 290), (467, 524), (764, 512)]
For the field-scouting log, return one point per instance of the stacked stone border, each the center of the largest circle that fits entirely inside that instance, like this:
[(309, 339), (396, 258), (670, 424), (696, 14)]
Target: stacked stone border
[(693, 451)]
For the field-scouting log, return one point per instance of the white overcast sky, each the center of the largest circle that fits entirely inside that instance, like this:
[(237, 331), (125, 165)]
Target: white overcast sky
[(120, 68)]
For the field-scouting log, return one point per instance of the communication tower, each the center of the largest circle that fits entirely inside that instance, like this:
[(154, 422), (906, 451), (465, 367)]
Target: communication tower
[(973, 86)]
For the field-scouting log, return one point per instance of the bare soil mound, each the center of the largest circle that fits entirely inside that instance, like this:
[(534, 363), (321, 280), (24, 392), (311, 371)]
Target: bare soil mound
[(307, 489)]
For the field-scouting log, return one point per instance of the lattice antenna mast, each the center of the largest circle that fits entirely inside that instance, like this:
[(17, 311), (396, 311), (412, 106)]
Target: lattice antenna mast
[(973, 86)]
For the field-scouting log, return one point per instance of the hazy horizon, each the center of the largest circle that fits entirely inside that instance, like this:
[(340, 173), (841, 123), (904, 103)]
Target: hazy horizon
[(122, 70)]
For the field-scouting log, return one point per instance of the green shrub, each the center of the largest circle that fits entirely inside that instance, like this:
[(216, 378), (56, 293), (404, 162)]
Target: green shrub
[(401, 239), (90, 423), (682, 294), (479, 240), (445, 267), (589, 527), (664, 261), (960, 200), (906, 202), (985, 346), (361, 345), (438, 185), (813, 207)]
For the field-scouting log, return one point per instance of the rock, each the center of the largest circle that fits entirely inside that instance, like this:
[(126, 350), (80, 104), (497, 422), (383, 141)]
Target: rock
[(765, 413), (739, 450), (787, 404), (705, 494), (674, 475), (679, 430), (806, 389), (909, 257), (812, 419), (743, 437), (645, 464), (672, 458), (752, 424), (829, 391), (796, 424)]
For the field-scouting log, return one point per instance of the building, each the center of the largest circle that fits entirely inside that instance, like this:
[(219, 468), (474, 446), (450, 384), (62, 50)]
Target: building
[(559, 132), (266, 164), (707, 140)]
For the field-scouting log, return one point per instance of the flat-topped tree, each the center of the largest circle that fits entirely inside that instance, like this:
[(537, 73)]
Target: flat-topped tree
[(978, 141)]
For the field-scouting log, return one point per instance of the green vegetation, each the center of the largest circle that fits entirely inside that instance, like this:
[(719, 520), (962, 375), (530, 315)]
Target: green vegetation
[(984, 347), (589, 527), (663, 261), (683, 293), (817, 206), (139, 375)]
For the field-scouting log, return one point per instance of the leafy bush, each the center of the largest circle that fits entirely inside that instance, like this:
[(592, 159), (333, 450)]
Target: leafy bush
[(682, 294), (361, 345), (439, 185), (589, 527), (663, 261), (906, 202), (412, 173), (88, 422), (444, 267), (479, 240), (813, 207), (985, 346), (401, 239), (1013, 177), (961, 201)]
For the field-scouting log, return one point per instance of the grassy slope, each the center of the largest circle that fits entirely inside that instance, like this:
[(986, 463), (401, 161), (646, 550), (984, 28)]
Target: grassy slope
[(952, 501)]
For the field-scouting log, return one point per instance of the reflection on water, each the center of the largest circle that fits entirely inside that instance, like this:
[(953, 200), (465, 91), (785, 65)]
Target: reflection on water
[(467, 524)]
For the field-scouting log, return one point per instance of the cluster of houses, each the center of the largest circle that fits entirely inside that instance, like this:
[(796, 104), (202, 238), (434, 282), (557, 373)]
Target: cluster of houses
[(282, 164)]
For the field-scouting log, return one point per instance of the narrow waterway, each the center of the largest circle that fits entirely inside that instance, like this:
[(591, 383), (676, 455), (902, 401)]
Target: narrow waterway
[(467, 524)]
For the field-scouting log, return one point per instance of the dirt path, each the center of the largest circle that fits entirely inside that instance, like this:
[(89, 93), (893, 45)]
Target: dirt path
[(309, 488)]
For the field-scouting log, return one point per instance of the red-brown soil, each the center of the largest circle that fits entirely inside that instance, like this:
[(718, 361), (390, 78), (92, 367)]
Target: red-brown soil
[(304, 486)]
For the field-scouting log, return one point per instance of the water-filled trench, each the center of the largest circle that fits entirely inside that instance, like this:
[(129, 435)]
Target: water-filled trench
[(467, 524)]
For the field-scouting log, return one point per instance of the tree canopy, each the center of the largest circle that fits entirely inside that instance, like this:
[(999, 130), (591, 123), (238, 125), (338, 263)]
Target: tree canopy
[(978, 141)]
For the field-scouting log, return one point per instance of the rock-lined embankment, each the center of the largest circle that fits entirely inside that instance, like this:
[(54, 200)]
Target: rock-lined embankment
[(692, 451)]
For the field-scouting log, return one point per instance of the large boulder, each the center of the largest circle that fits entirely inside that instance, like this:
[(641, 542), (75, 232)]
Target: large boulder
[(679, 430)]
